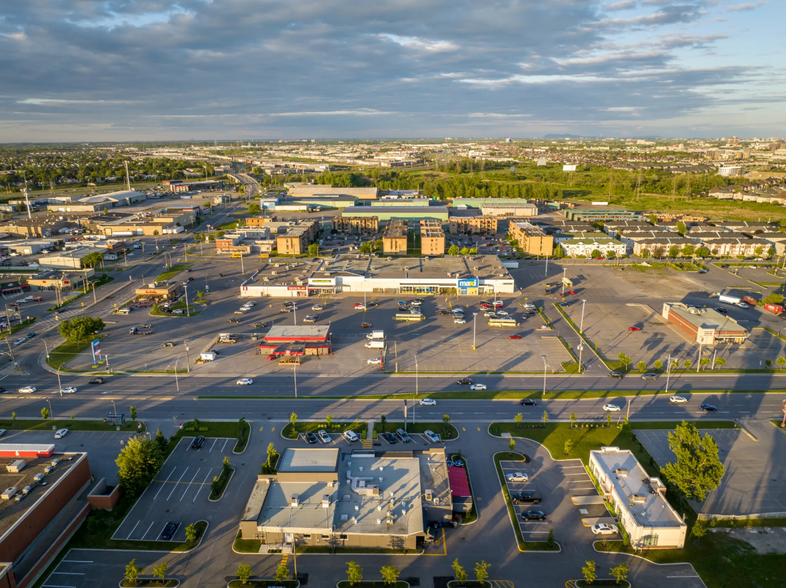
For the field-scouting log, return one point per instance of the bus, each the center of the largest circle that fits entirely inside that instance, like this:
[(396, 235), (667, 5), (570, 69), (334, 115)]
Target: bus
[(503, 322), (410, 316)]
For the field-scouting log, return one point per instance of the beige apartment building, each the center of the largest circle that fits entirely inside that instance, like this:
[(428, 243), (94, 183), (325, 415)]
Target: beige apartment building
[(531, 239), (432, 237), (394, 239), (357, 225), (297, 239), (473, 225)]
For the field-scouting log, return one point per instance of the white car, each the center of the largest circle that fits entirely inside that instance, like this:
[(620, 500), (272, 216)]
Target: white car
[(27, 390), (604, 529), (432, 436), (502, 313), (68, 390), (611, 408), (245, 382), (323, 436), (517, 477), (350, 436), (428, 402), (61, 433), (19, 341), (478, 387), (459, 321), (360, 307), (678, 400), (374, 361), (2, 432), (317, 307)]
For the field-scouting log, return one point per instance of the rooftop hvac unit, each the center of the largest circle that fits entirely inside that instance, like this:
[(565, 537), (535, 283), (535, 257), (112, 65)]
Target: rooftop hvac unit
[(15, 466), (294, 500), (37, 478), (621, 472), (436, 500), (379, 521), (354, 520), (638, 499), (326, 501), (344, 517)]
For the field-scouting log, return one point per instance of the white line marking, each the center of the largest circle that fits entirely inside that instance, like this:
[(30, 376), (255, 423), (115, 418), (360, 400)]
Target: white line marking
[(214, 444), (56, 586), (225, 444), (203, 483), (76, 561), (134, 529), (175, 487), (165, 482), (70, 573), (188, 486), (146, 532)]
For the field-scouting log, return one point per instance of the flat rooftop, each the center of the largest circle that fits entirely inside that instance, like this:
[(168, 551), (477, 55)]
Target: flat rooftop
[(482, 266), (650, 508), (304, 459), (707, 318), (298, 333)]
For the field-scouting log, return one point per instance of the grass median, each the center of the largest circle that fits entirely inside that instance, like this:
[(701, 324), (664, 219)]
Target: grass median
[(172, 272), (446, 432), (64, 353)]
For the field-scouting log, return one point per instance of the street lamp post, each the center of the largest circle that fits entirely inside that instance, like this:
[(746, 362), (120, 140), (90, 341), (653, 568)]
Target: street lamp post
[(547, 265), (564, 275), (295, 381), (668, 373), (114, 406), (177, 384), (51, 412), (187, 311), (188, 362), (414, 400), (581, 326), (545, 365), (474, 328), (59, 385)]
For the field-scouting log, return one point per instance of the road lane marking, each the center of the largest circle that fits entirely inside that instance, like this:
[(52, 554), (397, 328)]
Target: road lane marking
[(188, 485), (165, 482), (76, 561), (69, 573), (175, 486)]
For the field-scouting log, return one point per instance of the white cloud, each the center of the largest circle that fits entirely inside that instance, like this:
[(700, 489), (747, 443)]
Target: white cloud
[(422, 45), (745, 6), (64, 102)]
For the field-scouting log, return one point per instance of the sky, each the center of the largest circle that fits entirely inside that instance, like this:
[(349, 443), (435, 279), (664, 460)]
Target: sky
[(150, 70)]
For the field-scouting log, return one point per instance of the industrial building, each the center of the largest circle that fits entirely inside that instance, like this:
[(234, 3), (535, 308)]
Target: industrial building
[(90, 204), (706, 326), (594, 214), (639, 500), (533, 240), (310, 190), (394, 238), (322, 497), (409, 213), (512, 208), (432, 238), (37, 227), (484, 225), (69, 259), (402, 202)]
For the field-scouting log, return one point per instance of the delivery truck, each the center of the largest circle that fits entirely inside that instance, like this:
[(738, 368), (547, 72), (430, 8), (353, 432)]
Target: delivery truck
[(750, 300), (375, 344), (774, 308), (729, 299), (375, 335)]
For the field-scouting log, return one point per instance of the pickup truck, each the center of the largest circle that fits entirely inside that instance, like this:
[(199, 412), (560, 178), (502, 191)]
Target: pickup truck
[(135, 331)]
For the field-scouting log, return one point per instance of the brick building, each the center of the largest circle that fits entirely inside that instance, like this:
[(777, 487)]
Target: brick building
[(357, 225), (297, 239), (531, 239), (394, 239), (432, 238), (473, 224)]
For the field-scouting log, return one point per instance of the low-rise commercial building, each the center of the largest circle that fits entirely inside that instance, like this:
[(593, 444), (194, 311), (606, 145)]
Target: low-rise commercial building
[(32, 246), (60, 280), (513, 208), (356, 225), (640, 500), (587, 245), (386, 201), (29, 228), (394, 238), (68, 259), (311, 190), (706, 326), (432, 238), (531, 239), (296, 340), (474, 225), (594, 214), (160, 290), (410, 213)]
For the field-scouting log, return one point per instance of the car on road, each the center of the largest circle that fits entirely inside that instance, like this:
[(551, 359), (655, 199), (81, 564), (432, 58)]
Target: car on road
[(168, 344), (60, 433), (708, 407), (96, 381), (169, 531), (260, 325), (290, 304), (68, 390), (678, 400), (514, 337), (497, 304), (533, 515), (517, 477), (528, 402), (232, 320), (743, 305), (703, 271), (604, 529), (634, 328), (432, 436), (571, 292), (365, 325), (525, 497), (245, 382), (611, 408), (359, 306), (30, 335), (317, 308), (198, 442), (649, 376), (351, 436), (310, 438), (721, 310), (310, 319), (27, 389), (19, 341), (502, 313), (428, 402), (2, 432), (478, 387), (615, 375), (38, 299), (323, 436), (374, 361), (459, 321), (465, 382), (390, 438)]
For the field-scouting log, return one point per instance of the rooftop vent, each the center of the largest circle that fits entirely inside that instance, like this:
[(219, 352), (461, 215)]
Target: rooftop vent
[(326, 501), (621, 472), (294, 500), (638, 499), (429, 494)]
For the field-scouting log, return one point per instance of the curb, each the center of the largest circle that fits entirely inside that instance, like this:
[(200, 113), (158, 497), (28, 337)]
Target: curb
[(260, 579), (654, 563), (120, 583), (224, 491), (248, 442), (474, 502)]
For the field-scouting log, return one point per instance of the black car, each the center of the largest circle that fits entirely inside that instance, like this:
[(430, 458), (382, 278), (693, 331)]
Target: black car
[(533, 515), (169, 531), (96, 381), (526, 497), (2, 390), (190, 279), (372, 303), (708, 407), (615, 375), (721, 310), (311, 438), (465, 382), (234, 320), (198, 442), (528, 402)]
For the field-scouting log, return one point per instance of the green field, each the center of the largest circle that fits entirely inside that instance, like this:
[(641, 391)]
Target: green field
[(172, 272)]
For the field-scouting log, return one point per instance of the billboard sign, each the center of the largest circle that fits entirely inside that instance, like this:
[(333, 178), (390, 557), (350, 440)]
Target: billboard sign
[(95, 348), (468, 283)]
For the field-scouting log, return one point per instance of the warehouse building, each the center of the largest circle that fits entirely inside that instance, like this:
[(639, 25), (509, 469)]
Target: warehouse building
[(704, 325), (639, 499), (394, 238), (409, 213), (365, 499), (311, 190), (514, 208), (533, 240), (69, 259), (402, 202)]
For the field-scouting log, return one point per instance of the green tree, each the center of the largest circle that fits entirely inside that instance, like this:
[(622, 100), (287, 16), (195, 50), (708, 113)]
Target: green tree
[(596, 253), (329, 421), (464, 251), (624, 360), (512, 445), (473, 250), (658, 252), (313, 249), (132, 411), (161, 443), (720, 362), (132, 572), (271, 456), (687, 363), (704, 362), (773, 298), (226, 467), (354, 573), (365, 247), (697, 470), (191, 533), (768, 363), (282, 572), (611, 255), (568, 446), (645, 254), (293, 422), (658, 364), (446, 425), (589, 572), (703, 252), (550, 538), (558, 252), (572, 420), (92, 259), (545, 417), (699, 528), (674, 251), (681, 228), (481, 571), (243, 573), (758, 251), (253, 208), (453, 250), (642, 365), (389, 574), (687, 250), (13, 416), (459, 572), (160, 571), (80, 328), (620, 572), (518, 418), (608, 418), (653, 219), (45, 413), (137, 464)]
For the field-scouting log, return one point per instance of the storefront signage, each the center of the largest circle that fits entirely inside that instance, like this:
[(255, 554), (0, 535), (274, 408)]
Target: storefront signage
[(296, 288), (327, 281), (468, 283)]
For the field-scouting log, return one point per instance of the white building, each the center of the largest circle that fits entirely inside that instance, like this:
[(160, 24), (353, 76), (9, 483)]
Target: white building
[(640, 500), (730, 170), (569, 167), (586, 245)]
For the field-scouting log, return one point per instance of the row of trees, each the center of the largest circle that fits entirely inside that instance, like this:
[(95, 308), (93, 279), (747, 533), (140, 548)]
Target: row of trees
[(454, 250), (590, 573), (625, 361)]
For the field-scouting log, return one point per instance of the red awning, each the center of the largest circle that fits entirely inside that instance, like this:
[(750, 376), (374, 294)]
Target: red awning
[(459, 484)]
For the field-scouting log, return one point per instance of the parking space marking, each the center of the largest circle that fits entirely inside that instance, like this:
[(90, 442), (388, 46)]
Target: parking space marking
[(76, 561), (148, 530), (225, 444), (134, 529), (165, 482), (56, 586), (188, 486), (175, 486), (207, 475), (214, 444), (69, 573)]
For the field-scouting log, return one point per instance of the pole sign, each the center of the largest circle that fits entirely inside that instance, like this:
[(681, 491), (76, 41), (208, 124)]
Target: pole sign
[(95, 347)]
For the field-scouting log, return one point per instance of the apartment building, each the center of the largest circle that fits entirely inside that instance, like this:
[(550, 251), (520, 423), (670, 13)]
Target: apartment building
[(533, 240), (356, 225), (461, 225), (586, 245), (432, 238), (297, 239), (394, 239)]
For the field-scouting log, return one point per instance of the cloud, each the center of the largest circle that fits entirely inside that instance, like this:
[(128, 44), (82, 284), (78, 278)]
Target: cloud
[(624, 5), (745, 6), (421, 45)]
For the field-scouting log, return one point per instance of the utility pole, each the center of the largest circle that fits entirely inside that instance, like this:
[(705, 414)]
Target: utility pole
[(59, 384), (177, 384), (188, 313), (668, 373), (581, 327), (95, 300), (564, 275), (547, 265), (415, 399), (474, 328), (545, 365), (188, 362), (295, 381)]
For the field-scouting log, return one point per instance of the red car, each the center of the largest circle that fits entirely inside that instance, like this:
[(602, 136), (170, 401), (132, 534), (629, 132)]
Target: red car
[(634, 329), (498, 304), (572, 292), (485, 306), (272, 357), (38, 299), (514, 337), (598, 259)]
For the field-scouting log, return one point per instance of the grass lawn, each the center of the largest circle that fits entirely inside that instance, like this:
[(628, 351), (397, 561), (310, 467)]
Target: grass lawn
[(360, 428), (230, 430), (172, 272), (246, 545), (439, 428), (68, 351), (73, 425), (223, 480)]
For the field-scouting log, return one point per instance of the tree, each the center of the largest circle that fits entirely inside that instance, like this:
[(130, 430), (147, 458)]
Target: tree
[(558, 252), (653, 219), (624, 360), (80, 328), (243, 573), (703, 252), (473, 250), (704, 361), (608, 419), (773, 298), (550, 538), (518, 418), (45, 413), (596, 253), (687, 363), (389, 574), (642, 365), (459, 572), (160, 570), (768, 363), (364, 247), (758, 251), (572, 420), (282, 572), (568, 446), (446, 425), (191, 533), (589, 572), (687, 250), (481, 571), (329, 421), (453, 250), (545, 417), (611, 255), (464, 251), (674, 251), (253, 208), (313, 249), (699, 528), (226, 467), (658, 252), (161, 443), (645, 254), (293, 422), (271, 455), (132, 572), (512, 444), (92, 259), (137, 464), (681, 228), (620, 572), (354, 573), (658, 364), (698, 470), (720, 362), (132, 411)]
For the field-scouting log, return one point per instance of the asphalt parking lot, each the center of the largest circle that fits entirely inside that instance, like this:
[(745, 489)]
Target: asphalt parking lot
[(755, 470), (179, 492)]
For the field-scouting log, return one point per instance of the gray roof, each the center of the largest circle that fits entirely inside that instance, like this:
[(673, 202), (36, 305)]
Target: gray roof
[(305, 459)]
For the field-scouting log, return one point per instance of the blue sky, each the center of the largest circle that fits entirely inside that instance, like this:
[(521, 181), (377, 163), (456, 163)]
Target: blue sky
[(78, 70)]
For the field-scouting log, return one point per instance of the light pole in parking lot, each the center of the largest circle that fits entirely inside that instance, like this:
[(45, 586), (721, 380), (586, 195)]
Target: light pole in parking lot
[(186, 289), (177, 384), (547, 265), (581, 326), (295, 381), (474, 328), (545, 365), (668, 372), (414, 401), (59, 384)]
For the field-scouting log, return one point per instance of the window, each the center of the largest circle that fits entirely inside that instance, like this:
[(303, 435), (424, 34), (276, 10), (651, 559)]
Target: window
[(306, 536), (343, 537), (326, 537)]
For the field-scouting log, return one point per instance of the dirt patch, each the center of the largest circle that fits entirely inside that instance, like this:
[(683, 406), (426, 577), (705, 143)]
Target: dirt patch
[(763, 539)]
